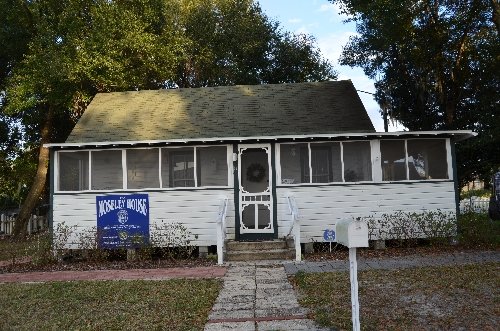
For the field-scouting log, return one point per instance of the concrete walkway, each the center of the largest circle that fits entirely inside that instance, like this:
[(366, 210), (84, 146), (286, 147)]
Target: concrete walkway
[(258, 296)]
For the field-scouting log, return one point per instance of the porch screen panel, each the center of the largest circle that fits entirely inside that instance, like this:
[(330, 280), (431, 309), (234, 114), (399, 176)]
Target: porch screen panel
[(357, 161), (177, 167), (142, 168), (212, 166), (326, 164), (73, 171), (393, 160), (294, 159), (427, 159), (107, 173)]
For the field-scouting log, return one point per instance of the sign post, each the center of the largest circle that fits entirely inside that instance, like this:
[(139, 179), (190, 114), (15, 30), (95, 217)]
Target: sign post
[(353, 233), (353, 274), (329, 236)]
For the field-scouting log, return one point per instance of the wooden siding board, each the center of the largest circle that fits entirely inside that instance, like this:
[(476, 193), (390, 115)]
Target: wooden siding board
[(321, 207), (196, 209)]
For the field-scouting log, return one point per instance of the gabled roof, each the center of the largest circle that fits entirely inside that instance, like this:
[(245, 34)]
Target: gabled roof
[(226, 111)]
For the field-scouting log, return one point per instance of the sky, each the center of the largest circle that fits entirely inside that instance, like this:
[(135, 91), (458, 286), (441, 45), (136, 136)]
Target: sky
[(323, 20)]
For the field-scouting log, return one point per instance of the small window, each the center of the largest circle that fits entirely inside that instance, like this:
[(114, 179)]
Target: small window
[(326, 164), (177, 167), (212, 166), (427, 159), (73, 171), (107, 173), (294, 159), (357, 161), (142, 168), (393, 160)]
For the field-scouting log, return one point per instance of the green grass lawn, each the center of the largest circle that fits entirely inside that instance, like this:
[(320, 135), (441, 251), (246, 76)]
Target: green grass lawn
[(431, 298), (178, 304)]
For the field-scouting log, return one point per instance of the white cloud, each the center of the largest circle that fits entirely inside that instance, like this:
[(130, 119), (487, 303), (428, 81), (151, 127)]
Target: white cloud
[(294, 21), (302, 30), (334, 10), (331, 45)]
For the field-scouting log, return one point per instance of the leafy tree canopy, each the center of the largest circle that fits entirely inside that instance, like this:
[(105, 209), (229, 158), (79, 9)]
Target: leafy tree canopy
[(436, 65), (56, 55)]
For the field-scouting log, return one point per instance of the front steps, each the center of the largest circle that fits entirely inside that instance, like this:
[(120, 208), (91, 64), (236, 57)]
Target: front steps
[(260, 250)]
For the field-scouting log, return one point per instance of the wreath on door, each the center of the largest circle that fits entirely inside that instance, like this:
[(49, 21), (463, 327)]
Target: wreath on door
[(256, 172)]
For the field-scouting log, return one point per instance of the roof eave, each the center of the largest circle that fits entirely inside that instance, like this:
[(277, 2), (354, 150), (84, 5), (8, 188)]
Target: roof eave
[(457, 135)]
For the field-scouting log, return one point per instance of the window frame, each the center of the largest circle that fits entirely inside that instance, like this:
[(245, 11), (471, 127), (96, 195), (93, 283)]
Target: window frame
[(448, 157), (311, 183), (229, 162), (376, 157), (57, 162)]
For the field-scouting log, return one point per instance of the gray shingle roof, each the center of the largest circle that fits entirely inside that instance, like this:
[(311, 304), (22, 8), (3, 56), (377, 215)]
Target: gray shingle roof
[(226, 111)]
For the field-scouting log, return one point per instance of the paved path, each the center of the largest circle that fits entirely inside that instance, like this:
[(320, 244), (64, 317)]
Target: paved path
[(126, 274), (257, 296), (411, 261)]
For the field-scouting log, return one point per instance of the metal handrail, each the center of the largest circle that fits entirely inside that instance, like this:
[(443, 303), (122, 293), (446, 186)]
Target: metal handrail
[(295, 228), (221, 229)]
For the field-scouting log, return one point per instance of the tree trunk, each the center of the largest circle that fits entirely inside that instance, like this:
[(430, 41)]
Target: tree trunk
[(31, 201)]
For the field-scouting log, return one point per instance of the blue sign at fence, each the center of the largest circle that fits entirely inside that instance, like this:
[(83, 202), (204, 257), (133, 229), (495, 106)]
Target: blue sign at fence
[(329, 235), (122, 220)]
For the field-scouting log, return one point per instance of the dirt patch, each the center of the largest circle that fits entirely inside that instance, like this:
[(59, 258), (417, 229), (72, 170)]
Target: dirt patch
[(460, 297)]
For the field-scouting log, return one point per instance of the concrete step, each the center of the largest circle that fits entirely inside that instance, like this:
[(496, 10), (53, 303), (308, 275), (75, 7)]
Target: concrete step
[(256, 255), (255, 245), (259, 250)]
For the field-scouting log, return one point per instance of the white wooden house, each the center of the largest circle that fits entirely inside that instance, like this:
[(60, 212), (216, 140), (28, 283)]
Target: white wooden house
[(265, 149)]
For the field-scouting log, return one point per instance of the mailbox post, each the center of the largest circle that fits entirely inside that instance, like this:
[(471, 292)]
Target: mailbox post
[(353, 233)]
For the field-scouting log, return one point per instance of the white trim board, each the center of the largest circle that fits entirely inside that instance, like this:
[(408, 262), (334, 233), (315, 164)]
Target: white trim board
[(457, 134)]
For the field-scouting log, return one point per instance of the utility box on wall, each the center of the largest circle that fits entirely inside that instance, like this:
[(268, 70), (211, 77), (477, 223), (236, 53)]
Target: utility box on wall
[(352, 233)]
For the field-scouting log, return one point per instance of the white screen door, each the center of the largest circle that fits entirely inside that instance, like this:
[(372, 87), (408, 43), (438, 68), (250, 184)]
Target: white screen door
[(255, 183)]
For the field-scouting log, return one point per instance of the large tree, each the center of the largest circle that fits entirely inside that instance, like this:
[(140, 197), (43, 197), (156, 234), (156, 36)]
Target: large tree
[(436, 65), (58, 54)]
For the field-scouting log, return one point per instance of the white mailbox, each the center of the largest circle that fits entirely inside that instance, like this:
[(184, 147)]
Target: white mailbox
[(352, 233)]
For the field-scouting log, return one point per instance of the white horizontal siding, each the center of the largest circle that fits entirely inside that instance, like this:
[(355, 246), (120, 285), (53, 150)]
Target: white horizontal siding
[(320, 207), (196, 209)]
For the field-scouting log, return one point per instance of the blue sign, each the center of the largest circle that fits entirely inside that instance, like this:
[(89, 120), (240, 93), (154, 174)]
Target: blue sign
[(122, 220), (329, 235)]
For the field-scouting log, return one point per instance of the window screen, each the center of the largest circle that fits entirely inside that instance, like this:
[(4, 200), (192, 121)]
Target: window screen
[(177, 167), (212, 166), (142, 168), (294, 159), (357, 161), (73, 171), (427, 159), (326, 164), (107, 173), (393, 159)]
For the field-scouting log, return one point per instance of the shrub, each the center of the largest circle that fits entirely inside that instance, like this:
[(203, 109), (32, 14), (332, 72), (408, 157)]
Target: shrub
[(407, 227), (40, 248), (46, 247), (483, 193), (173, 238), (477, 229), (88, 242)]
